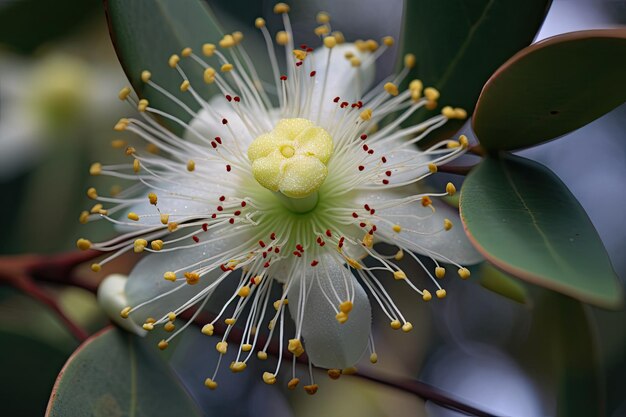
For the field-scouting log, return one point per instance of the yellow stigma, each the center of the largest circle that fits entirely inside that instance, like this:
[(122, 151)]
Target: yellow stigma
[(292, 158)]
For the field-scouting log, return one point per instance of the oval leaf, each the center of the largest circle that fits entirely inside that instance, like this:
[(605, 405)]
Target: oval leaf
[(459, 44), (501, 283), (145, 33), (524, 220), (114, 373), (552, 88)]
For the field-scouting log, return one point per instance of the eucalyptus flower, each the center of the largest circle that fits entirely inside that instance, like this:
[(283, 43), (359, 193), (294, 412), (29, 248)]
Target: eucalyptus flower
[(287, 187)]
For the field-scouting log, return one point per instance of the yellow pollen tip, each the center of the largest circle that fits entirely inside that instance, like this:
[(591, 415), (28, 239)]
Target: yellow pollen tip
[(226, 67), (392, 89), (330, 42), (399, 274), (448, 112), (136, 165), (244, 291), (346, 307), (368, 240), (186, 52), (230, 321), (407, 327), (426, 201), (464, 273), (191, 165), (432, 168), (396, 228), (139, 245), (165, 218), (460, 113), (208, 49), (339, 37), (125, 312), (452, 144), (431, 93), (184, 86), (145, 76), (129, 151), (246, 347), (426, 295), (447, 224), (395, 324), (373, 358), (210, 384), (96, 267), (295, 347), (261, 355), (238, 37), (163, 344), (388, 41), (259, 22), (118, 144), (441, 293), (269, 378), (148, 326), (156, 245), (463, 141), (95, 169), (221, 347), (371, 45), (124, 93), (227, 41), (172, 226), (171, 316), (282, 38), (192, 278), (84, 217), (238, 366), (207, 329), (354, 263), (299, 54), (133, 216), (450, 189), (83, 244), (321, 30), (409, 61), (142, 105), (121, 125), (355, 62), (169, 276), (311, 389), (293, 383), (341, 317), (92, 193), (169, 326), (399, 255), (366, 114), (322, 18), (334, 373), (173, 61), (280, 8), (440, 272)]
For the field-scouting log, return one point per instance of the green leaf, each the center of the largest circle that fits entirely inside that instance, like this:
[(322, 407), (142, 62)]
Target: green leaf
[(146, 33), (460, 43), (524, 220), (118, 374), (501, 283), (552, 88)]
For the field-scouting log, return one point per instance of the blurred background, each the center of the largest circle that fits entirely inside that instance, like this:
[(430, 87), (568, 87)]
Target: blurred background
[(59, 79)]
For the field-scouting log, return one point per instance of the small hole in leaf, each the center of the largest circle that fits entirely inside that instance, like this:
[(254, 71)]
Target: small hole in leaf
[(554, 112)]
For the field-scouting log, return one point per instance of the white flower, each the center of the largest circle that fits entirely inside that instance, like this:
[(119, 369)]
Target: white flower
[(295, 195)]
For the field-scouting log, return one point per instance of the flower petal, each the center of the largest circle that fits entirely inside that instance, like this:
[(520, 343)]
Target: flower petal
[(328, 343)]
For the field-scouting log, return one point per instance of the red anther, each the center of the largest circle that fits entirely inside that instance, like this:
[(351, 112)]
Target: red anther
[(224, 121), (237, 99), (366, 206), (296, 253), (252, 279), (354, 105), (231, 221), (328, 233), (371, 232), (384, 159), (355, 215), (336, 99), (298, 63), (264, 255), (314, 263), (385, 181), (276, 250), (312, 74), (319, 239), (243, 204), (224, 268), (222, 198), (344, 104), (237, 212), (361, 167), (196, 239), (365, 148), (362, 224), (213, 144), (273, 236), (205, 226), (372, 211), (340, 244), (303, 46), (363, 136), (322, 244), (388, 173), (283, 78), (218, 140), (371, 152), (228, 168), (261, 243), (220, 208), (228, 97), (299, 247), (360, 103), (213, 216), (374, 228), (309, 49)]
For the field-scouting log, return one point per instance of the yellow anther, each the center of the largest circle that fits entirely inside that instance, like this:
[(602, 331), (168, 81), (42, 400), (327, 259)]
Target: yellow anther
[(257, 280), (152, 148), (148, 326), (409, 61), (464, 273), (295, 347), (238, 366), (341, 317), (165, 218), (237, 36), (395, 324), (92, 193), (133, 216), (210, 384), (186, 52), (244, 291), (118, 143), (431, 93), (330, 41), (136, 166), (426, 295), (366, 114), (152, 198), (354, 263), (396, 228), (441, 293), (355, 62), (142, 105), (145, 76), (407, 327), (95, 168), (227, 41), (261, 355), (246, 347), (280, 8), (311, 389), (322, 18), (399, 274), (463, 141), (269, 378), (334, 373), (346, 306), (208, 329), (83, 244), (373, 357), (184, 86), (388, 41), (452, 144), (447, 224), (338, 37), (431, 105), (172, 226), (282, 38), (173, 61), (156, 245), (163, 344), (208, 49), (171, 316), (169, 326), (278, 303), (259, 22), (227, 67), (392, 89), (293, 383), (432, 168), (125, 312), (84, 217), (115, 190), (191, 165), (192, 278), (399, 255), (321, 30), (368, 240), (448, 112), (460, 113), (221, 347), (230, 321), (139, 245), (124, 93), (450, 189), (299, 54), (129, 151), (371, 45), (360, 45), (440, 272), (96, 208), (121, 125), (169, 276), (96, 267), (426, 201)]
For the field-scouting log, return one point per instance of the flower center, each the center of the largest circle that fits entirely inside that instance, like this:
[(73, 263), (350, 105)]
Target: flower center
[(291, 160)]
